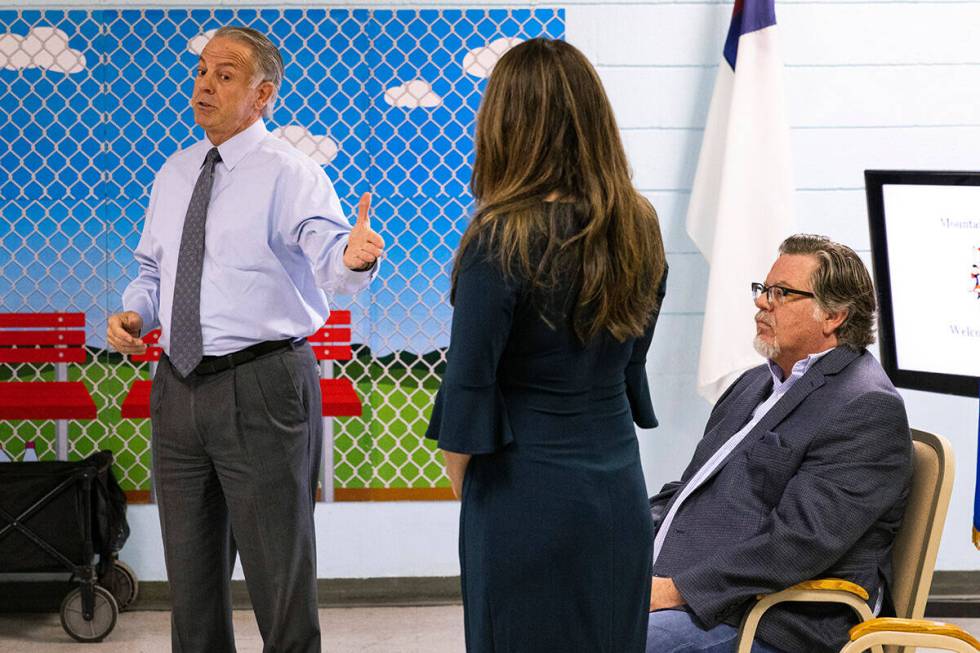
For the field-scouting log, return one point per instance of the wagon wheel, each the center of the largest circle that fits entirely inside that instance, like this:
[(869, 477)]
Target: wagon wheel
[(122, 582), (103, 615)]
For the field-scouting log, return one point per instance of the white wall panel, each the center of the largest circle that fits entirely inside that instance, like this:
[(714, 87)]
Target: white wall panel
[(687, 284), (853, 96), (676, 343), (354, 540), (868, 33), (658, 96), (666, 450), (883, 95), (662, 34), (821, 33), (671, 208), (840, 215), (826, 158), (663, 159), (837, 158)]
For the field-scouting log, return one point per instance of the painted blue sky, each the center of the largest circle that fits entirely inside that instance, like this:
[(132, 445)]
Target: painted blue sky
[(386, 99)]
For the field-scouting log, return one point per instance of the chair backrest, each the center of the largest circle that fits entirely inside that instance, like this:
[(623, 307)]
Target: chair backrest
[(917, 541), (42, 338), (332, 342)]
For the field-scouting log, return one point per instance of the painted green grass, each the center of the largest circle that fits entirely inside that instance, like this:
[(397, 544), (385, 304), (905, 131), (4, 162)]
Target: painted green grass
[(385, 447), (129, 440)]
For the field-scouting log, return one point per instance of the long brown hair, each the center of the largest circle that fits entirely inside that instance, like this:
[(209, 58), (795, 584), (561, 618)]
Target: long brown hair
[(546, 131)]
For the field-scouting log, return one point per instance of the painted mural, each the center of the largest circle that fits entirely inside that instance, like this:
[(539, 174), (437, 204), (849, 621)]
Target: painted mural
[(94, 101)]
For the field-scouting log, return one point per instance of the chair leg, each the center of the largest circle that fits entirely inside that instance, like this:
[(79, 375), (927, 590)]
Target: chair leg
[(149, 472), (61, 438), (61, 425), (326, 465)]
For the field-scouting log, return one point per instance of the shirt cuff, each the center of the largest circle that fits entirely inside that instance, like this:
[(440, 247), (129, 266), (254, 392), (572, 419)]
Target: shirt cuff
[(347, 281)]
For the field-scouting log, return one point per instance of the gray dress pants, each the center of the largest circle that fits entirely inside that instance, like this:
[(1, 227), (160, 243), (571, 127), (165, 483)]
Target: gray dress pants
[(235, 459)]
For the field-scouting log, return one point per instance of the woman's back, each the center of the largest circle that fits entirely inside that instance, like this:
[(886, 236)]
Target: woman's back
[(559, 391), (554, 533), (555, 292)]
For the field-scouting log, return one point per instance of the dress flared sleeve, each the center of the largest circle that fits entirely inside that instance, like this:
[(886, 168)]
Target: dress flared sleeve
[(637, 385), (469, 415)]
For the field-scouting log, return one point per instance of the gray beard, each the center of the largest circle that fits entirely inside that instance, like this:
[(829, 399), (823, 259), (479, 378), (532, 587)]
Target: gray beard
[(765, 349)]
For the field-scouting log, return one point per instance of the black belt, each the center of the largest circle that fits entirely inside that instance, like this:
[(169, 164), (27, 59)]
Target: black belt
[(214, 364)]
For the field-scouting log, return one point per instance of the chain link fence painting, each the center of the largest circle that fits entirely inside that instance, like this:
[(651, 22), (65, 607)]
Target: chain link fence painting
[(94, 101)]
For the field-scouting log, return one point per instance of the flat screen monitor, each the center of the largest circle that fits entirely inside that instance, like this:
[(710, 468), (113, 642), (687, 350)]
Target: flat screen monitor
[(925, 247)]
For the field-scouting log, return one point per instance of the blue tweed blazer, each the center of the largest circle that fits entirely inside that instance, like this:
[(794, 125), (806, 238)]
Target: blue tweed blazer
[(816, 489)]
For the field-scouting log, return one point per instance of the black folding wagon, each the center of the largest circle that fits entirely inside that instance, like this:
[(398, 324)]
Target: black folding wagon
[(69, 516)]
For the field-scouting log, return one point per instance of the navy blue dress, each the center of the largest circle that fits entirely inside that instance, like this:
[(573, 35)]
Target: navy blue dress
[(555, 536)]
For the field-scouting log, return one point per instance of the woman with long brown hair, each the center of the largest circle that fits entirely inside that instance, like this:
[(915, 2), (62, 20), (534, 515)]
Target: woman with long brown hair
[(556, 287)]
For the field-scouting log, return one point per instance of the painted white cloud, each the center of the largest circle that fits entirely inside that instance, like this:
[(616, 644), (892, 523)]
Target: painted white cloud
[(196, 44), (416, 93), (480, 62), (43, 47), (321, 149)]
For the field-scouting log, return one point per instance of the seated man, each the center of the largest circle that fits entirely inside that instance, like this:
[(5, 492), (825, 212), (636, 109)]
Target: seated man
[(802, 473)]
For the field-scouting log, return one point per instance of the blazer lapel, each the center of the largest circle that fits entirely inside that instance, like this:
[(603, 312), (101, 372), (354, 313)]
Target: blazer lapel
[(815, 377), (738, 414)]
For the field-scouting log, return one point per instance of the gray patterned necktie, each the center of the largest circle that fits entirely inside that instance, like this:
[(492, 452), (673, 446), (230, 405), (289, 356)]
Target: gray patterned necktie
[(186, 346)]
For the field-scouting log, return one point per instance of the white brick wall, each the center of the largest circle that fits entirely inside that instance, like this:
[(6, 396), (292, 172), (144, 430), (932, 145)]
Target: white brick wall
[(869, 85)]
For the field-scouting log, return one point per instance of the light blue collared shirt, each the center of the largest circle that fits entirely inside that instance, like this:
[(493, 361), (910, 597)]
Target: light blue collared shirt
[(779, 389), (274, 244)]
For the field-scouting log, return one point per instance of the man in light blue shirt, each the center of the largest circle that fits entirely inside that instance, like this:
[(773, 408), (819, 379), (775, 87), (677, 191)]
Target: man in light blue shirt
[(244, 241), (802, 473)]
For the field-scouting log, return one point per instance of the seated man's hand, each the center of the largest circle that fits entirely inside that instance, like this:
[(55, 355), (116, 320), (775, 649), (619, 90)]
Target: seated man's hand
[(664, 594)]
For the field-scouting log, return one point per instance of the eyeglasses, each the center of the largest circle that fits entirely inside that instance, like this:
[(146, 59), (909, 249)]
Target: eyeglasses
[(776, 294)]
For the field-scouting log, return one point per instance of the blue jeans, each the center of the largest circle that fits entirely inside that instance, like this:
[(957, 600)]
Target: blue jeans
[(674, 631)]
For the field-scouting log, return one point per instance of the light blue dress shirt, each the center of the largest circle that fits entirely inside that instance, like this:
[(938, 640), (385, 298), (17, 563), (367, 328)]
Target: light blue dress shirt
[(274, 244), (779, 388)]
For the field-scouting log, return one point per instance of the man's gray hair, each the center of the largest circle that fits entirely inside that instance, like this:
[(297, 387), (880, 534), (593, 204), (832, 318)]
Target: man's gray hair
[(841, 283), (266, 59)]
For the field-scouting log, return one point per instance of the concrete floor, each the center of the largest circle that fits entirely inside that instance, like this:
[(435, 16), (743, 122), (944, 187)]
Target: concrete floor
[(346, 630)]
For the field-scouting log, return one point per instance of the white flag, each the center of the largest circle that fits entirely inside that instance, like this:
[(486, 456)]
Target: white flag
[(741, 205)]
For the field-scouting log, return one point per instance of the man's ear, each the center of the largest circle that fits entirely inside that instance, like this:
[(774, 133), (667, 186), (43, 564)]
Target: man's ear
[(265, 90), (832, 321)]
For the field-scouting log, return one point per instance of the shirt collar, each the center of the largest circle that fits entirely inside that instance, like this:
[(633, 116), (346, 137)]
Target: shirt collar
[(799, 369), (235, 148)]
